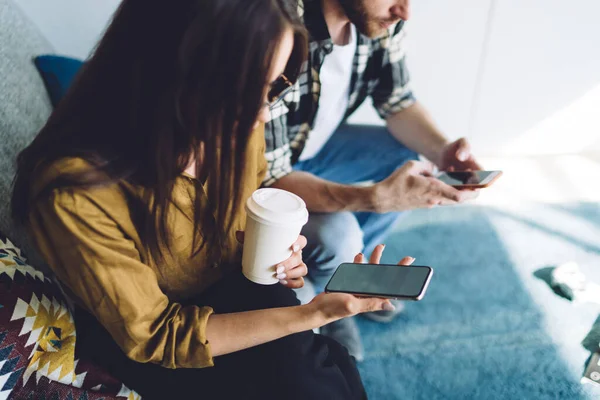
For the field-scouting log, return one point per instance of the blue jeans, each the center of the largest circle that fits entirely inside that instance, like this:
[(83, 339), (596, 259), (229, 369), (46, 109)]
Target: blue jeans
[(354, 154)]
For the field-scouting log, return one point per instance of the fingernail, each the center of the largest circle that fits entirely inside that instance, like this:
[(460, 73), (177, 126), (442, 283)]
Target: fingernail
[(296, 247), (388, 307), (280, 269), (412, 259), (281, 276), (283, 282), (361, 255), (463, 155)]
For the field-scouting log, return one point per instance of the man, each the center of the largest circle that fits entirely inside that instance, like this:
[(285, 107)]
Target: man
[(356, 51)]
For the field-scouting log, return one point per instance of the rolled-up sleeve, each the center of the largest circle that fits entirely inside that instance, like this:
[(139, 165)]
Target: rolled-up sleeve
[(102, 267), (393, 92)]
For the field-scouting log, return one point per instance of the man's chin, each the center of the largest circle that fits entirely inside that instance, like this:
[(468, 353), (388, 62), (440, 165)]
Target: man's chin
[(374, 30)]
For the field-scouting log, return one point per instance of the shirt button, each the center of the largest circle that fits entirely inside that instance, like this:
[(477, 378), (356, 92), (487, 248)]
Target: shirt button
[(215, 265)]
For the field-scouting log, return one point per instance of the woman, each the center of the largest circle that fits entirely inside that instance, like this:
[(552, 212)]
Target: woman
[(133, 194)]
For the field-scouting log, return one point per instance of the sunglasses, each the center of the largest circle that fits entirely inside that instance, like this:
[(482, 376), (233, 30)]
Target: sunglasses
[(279, 89)]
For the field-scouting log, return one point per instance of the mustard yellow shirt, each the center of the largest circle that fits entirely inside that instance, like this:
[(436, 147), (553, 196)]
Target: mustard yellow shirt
[(89, 240)]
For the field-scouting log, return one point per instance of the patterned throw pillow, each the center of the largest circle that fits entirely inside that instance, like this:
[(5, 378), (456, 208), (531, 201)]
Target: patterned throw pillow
[(37, 339)]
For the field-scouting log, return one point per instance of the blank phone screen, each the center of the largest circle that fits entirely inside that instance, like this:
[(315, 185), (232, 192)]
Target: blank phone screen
[(387, 280), (465, 177)]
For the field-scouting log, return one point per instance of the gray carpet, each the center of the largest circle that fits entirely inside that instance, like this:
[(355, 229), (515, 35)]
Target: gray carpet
[(489, 327)]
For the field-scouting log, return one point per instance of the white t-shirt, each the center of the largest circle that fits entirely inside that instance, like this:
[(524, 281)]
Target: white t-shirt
[(335, 76)]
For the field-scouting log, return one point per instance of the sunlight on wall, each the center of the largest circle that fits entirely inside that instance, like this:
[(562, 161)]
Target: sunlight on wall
[(573, 129)]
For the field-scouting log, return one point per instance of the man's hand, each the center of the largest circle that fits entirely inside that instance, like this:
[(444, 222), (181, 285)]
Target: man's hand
[(457, 156), (413, 186)]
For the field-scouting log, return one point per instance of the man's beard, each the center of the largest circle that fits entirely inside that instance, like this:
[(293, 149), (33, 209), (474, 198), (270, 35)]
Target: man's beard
[(356, 11)]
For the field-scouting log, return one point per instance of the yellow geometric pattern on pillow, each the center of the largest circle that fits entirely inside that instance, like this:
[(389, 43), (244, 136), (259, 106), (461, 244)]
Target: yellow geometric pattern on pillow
[(51, 330), (128, 393), (50, 326), (9, 267)]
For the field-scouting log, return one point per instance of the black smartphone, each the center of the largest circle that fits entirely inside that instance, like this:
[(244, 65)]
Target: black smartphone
[(469, 179), (381, 280)]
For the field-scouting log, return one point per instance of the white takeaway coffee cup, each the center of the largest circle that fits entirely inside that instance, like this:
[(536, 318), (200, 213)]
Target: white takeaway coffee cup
[(274, 221)]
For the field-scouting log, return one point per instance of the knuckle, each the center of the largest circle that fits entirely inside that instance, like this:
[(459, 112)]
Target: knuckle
[(350, 307), (296, 284), (298, 272), (374, 306), (304, 269)]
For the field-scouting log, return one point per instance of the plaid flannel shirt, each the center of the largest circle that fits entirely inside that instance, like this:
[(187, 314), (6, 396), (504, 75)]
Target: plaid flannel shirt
[(378, 71)]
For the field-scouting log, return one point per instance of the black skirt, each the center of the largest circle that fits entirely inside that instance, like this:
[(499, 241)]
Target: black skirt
[(299, 366)]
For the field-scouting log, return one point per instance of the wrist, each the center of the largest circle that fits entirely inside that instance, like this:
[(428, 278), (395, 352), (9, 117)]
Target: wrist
[(311, 317), (352, 198), (365, 198), (373, 196), (437, 156)]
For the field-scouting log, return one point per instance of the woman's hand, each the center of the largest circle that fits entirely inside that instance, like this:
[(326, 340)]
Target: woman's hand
[(335, 306), (290, 272)]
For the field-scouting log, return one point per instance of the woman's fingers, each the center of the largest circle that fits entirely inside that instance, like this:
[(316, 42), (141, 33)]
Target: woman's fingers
[(283, 270), (375, 304), (299, 244), (407, 261), (377, 253), (359, 258), (375, 256), (292, 262), (298, 272), (293, 283)]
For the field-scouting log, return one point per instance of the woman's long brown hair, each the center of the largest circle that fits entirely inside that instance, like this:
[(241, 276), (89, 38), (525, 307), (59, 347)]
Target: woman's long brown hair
[(167, 78)]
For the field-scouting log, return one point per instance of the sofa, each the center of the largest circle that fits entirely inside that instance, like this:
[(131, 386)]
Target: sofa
[(38, 352)]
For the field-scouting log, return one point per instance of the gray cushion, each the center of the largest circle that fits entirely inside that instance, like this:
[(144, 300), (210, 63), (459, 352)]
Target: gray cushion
[(24, 104)]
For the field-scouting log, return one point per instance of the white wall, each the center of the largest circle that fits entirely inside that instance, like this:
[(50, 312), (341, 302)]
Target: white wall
[(540, 87), (515, 76), (72, 26), (445, 44)]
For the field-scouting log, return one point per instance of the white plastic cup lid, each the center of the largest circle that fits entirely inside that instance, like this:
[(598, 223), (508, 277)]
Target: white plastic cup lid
[(277, 207)]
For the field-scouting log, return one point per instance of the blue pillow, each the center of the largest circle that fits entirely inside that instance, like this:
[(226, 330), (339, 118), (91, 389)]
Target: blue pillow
[(58, 73)]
